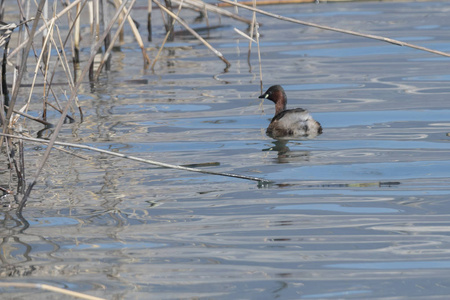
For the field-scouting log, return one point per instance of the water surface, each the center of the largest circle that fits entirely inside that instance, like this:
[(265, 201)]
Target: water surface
[(361, 212)]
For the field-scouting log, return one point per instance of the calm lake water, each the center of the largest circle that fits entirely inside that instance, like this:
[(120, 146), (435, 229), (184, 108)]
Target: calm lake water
[(361, 212)]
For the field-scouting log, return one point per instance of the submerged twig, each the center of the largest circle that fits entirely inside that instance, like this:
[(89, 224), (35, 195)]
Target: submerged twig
[(147, 161), (369, 36)]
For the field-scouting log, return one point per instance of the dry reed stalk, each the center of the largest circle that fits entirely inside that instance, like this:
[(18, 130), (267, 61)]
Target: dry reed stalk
[(270, 2), (104, 18), (47, 287), (44, 72), (165, 38), (200, 5), (77, 35), (217, 53), (259, 58), (137, 36), (121, 33), (95, 32), (138, 159), (21, 71), (117, 34), (149, 21), (75, 27), (252, 28), (66, 109), (30, 117), (350, 32), (169, 23), (5, 31), (64, 64), (26, 41), (36, 70), (205, 12), (276, 2)]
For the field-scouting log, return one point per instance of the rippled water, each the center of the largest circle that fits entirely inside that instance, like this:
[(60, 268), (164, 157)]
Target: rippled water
[(361, 212)]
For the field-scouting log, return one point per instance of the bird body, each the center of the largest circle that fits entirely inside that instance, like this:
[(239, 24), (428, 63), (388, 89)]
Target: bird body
[(289, 123)]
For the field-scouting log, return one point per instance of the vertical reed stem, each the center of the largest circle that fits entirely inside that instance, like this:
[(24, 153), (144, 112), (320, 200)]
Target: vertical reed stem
[(149, 21)]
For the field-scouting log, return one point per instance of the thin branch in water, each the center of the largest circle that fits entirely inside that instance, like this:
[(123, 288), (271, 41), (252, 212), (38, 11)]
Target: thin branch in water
[(47, 287), (147, 161)]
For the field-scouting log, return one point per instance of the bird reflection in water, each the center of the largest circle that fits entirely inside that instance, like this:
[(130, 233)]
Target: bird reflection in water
[(285, 155)]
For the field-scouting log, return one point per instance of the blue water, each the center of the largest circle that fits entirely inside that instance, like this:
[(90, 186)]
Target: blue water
[(360, 212)]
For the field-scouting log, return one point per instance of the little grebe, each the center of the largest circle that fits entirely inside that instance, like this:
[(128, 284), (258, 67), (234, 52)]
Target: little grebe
[(289, 123)]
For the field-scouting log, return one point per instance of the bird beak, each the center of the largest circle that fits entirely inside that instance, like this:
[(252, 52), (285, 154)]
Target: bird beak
[(264, 96)]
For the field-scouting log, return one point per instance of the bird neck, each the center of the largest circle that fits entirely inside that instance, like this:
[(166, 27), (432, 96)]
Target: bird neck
[(280, 106)]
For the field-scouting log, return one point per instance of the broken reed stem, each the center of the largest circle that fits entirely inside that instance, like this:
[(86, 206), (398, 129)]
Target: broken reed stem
[(77, 35), (30, 117), (369, 36), (147, 161), (185, 25), (137, 36), (48, 288), (259, 58), (252, 28)]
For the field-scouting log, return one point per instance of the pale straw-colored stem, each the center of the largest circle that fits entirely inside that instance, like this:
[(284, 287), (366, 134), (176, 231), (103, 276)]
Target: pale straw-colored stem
[(48, 288), (138, 159)]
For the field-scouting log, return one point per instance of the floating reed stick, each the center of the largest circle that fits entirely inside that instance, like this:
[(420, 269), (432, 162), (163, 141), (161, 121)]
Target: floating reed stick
[(147, 161), (47, 287)]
